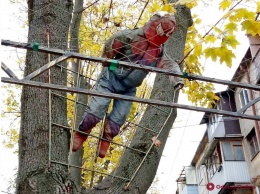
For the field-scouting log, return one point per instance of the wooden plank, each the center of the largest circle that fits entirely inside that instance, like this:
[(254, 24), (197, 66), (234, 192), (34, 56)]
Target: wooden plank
[(127, 98), (8, 71), (46, 67), (133, 65)]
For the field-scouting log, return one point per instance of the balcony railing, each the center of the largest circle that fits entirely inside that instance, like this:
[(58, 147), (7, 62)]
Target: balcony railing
[(231, 172)]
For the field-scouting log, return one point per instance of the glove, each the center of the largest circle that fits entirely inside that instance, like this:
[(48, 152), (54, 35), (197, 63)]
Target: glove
[(177, 82)]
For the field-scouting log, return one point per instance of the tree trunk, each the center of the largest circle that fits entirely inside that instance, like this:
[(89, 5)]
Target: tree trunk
[(79, 81), (48, 25), (153, 119), (76, 157)]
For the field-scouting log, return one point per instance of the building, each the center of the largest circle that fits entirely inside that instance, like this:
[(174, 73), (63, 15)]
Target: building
[(227, 160), (249, 72)]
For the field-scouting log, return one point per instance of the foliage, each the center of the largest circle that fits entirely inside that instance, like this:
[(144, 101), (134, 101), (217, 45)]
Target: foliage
[(10, 111), (218, 45)]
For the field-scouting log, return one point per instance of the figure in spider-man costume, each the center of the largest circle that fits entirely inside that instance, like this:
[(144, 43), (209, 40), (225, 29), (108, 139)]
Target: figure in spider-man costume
[(143, 46)]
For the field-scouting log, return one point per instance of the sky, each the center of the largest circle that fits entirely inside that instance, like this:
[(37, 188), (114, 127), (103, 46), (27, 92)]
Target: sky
[(185, 135)]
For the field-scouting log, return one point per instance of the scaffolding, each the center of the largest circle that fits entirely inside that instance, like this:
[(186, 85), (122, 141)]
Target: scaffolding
[(65, 55)]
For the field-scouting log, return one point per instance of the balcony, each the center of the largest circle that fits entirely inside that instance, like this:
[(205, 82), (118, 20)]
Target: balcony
[(229, 173), (190, 189), (187, 182), (223, 127)]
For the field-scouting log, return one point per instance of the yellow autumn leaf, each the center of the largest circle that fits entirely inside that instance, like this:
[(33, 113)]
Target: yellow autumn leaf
[(194, 85), (258, 7), (225, 4), (231, 27), (197, 49), (231, 41), (183, 2), (226, 56), (155, 7), (192, 58), (210, 95), (96, 47), (210, 53), (9, 145), (216, 98), (9, 109), (169, 8), (210, 39), (217, 30)]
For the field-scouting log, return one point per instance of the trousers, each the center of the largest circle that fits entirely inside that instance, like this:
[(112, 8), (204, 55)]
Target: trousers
[(98, 106)]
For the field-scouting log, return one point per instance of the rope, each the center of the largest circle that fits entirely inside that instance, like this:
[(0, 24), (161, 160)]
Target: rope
[(139, 167)]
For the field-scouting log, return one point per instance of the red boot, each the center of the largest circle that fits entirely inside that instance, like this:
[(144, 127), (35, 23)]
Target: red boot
[(86, 125), (111, 129), (78, 140), (104, 145)]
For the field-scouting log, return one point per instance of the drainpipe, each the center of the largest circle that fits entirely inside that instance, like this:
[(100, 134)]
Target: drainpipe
[(253, 107)]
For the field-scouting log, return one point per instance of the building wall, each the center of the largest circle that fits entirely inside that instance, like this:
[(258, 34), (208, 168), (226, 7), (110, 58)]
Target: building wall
[(201, 172), (247, 125), (190, 175)]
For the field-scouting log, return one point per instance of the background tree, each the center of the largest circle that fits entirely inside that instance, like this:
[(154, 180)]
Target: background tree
[(35, 172)]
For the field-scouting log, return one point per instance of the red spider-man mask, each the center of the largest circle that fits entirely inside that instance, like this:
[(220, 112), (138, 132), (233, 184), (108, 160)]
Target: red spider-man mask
[(159, 28)]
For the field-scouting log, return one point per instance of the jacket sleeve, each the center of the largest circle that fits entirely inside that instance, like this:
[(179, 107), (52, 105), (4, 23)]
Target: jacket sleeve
[(114, 45), (167, 63)]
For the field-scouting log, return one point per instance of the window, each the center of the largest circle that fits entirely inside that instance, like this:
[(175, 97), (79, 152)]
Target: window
[(213, 122), (201, 173), (233, 150), (214, 162), (244, 97), (252, 140)]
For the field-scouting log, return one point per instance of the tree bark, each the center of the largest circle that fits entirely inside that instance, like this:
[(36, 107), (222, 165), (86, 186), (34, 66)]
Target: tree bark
[(79, 81), (76, 157), (153, 119), (48, 25)]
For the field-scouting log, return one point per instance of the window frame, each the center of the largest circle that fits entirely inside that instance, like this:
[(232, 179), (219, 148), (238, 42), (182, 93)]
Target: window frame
[(253, 143), (233, 144), (214, 162), (244, 97), (214, 120)]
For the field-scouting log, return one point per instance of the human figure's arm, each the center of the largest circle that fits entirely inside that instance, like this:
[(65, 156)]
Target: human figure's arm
[(114, 45), (167, 63)]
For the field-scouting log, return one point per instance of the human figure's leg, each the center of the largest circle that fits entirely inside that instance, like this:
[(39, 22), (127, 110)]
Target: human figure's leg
[(95, 111), (114, 121)]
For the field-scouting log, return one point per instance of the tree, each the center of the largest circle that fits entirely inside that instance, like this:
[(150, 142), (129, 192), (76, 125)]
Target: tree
[(153, 119), (47, 24), (48, 21)]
